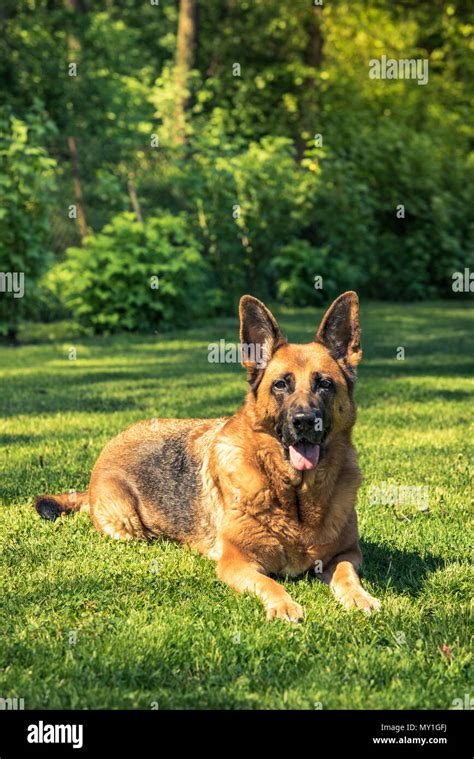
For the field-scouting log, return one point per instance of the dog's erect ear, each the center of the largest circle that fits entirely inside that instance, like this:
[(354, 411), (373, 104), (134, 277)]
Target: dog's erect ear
[(339, 330), (260, 335)]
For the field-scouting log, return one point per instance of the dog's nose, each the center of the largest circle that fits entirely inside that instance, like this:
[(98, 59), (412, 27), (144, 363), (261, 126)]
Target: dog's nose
[(303, 421)]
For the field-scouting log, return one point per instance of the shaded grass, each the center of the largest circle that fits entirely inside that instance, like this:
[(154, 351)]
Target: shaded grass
[(87, 622)]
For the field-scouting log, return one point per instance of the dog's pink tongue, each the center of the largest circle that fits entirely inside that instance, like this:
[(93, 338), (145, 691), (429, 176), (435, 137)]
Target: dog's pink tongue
[(304, 455)]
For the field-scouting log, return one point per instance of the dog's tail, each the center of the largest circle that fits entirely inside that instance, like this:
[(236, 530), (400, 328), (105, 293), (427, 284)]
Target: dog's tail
[(52, 506)]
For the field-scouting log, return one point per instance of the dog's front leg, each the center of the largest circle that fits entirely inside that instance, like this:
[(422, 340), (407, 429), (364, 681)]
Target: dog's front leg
[(244, 575), (342, 578)]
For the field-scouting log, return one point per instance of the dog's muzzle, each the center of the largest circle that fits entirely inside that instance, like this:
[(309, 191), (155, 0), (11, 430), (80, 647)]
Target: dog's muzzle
[(302, 433)]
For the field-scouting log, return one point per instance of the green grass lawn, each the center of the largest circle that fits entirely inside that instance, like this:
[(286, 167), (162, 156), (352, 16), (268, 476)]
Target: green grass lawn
[(91, 623)]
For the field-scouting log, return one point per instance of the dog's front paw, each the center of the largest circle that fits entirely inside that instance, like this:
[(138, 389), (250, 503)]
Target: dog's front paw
[(286, 609), (358, 598)]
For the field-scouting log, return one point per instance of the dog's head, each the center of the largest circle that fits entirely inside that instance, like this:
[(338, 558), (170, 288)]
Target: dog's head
[(302, 394)]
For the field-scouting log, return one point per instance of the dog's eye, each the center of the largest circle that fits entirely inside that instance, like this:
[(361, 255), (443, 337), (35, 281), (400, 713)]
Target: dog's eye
[(325, 383), (279, 385)]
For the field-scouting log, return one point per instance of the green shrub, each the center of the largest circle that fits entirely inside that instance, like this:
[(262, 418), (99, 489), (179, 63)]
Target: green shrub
[(306, 275), (247, 203), (135, 276), (355, 214), (27, 180)]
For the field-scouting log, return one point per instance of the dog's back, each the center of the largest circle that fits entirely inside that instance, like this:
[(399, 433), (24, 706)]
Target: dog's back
[(151, 480)]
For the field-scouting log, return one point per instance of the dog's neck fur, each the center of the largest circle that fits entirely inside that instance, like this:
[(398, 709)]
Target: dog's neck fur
[(313, 488)]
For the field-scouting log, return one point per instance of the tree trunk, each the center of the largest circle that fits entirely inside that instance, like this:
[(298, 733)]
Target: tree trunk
[(186, 52), (132, 192), (314, 49), (81, 214), (313, 57)]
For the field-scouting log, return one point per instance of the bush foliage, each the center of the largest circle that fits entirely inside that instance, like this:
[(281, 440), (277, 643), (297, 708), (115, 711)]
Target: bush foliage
[(27, 176), (135, 276)]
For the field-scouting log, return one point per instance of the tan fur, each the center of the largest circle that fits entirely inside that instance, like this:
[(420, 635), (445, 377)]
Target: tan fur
[(253, 512)]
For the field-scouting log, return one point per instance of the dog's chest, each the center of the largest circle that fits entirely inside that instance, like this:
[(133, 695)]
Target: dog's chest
[(297, 546), (300, 556)]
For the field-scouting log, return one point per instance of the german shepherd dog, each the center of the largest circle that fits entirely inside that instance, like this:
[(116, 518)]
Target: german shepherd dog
[(268, 491)]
